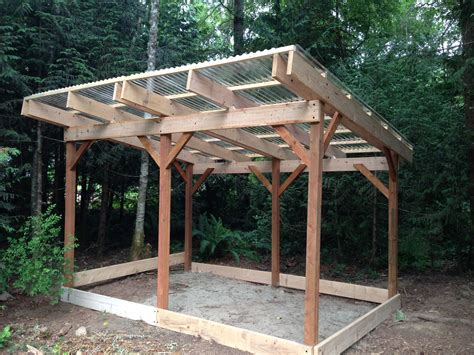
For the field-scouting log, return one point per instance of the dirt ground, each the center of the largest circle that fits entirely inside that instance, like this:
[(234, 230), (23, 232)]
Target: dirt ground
[(438, 310)]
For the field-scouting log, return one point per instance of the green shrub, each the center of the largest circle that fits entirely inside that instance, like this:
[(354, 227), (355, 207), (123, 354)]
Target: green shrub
[(5, 335), (33, 262)]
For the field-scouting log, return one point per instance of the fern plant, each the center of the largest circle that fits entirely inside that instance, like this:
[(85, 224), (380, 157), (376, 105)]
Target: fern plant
[(214, 237)]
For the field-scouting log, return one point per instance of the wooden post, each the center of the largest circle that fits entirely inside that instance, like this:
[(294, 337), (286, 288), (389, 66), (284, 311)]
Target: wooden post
[(188, 219), (164, 216), (70, 213), (275, 222), (313, 232), (392, 226)]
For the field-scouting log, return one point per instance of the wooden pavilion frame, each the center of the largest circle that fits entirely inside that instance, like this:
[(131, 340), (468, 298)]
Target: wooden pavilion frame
[(214, 118)]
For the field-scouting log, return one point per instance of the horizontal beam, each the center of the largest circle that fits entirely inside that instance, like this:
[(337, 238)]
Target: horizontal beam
[(288, 166), (107, 273), (334, 288), (278, 114), (306, 81)]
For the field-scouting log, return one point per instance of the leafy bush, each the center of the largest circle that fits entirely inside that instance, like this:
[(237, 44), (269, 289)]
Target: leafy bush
[(5, 335), (34, 262), (215, 240)]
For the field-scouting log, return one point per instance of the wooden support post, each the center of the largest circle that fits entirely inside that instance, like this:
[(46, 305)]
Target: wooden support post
[(70, 212), (164, 217), (392, 223), (188, 218), (275, 187), (313, 233)]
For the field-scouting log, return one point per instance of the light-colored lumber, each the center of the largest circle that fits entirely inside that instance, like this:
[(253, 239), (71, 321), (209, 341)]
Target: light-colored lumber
[(278, 114), (313, 233), (300, 77), (201, 179), (150, 148), (275, 190), (294, 143), (261, 177), (188, 218), (242, 339), (70, 213), (288, 166), (250, 142), (164, 221), (344, 338), (111, 305), (216, 92), (111, 272), (52, 115), (293, 176), (373, 179), (393, 226), (333, 288)]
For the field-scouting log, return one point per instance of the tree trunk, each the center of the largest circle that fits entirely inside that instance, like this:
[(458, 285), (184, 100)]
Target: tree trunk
[(104, 204), (373, 251), (37, 174), (238, 27), (467, 32), (138, 240)]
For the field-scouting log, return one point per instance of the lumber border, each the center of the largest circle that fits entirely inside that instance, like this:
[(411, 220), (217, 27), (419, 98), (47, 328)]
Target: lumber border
[(88, 277), (327, 287)]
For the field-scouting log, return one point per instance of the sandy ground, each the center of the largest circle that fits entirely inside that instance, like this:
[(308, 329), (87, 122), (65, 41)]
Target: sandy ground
[(274, 311)]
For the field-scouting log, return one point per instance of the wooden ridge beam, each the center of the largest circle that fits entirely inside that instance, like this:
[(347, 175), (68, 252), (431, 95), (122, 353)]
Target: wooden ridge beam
[(278, 114), (372, 178), (261, 177), (113, 114), (294, 143), (201, 179), (288, 166), (300, 77)]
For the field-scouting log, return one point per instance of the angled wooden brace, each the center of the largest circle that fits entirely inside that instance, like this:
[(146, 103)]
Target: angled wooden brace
[(145, 141), (292, 177), (372, 178), (79, 153), (333, 124), (201, 179), (180, 170), (180, 143), (294, 144), (261, 177)]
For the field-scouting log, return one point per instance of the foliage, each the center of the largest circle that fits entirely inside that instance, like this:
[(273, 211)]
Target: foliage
[(8, 174), (33, 261), (5, 335)]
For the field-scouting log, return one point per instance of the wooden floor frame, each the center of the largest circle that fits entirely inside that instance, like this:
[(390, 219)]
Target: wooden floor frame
[(227, 335)]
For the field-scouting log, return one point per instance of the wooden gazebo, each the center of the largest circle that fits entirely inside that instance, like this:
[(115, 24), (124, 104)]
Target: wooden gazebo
[(214, 118)]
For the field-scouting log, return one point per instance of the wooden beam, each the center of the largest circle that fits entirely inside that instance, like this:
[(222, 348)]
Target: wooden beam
[(278, 114), (216, 92), (303, 79), (79, 153), (347, 336), (201, 179), (164, 220), (150, 148), (275, 187), (107, 273), (250, 142), (52, 115), (313, 233), (70, 213), (180, 170), (188, 218), (326, 287), (180, 143), (333, 124), (372, 178), (293, 176), (393, 227), (261, 177), (288, 166), (294, 144)]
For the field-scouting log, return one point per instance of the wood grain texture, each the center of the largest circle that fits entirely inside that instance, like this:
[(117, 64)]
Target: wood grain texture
[(275, 190), (188, 218)]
